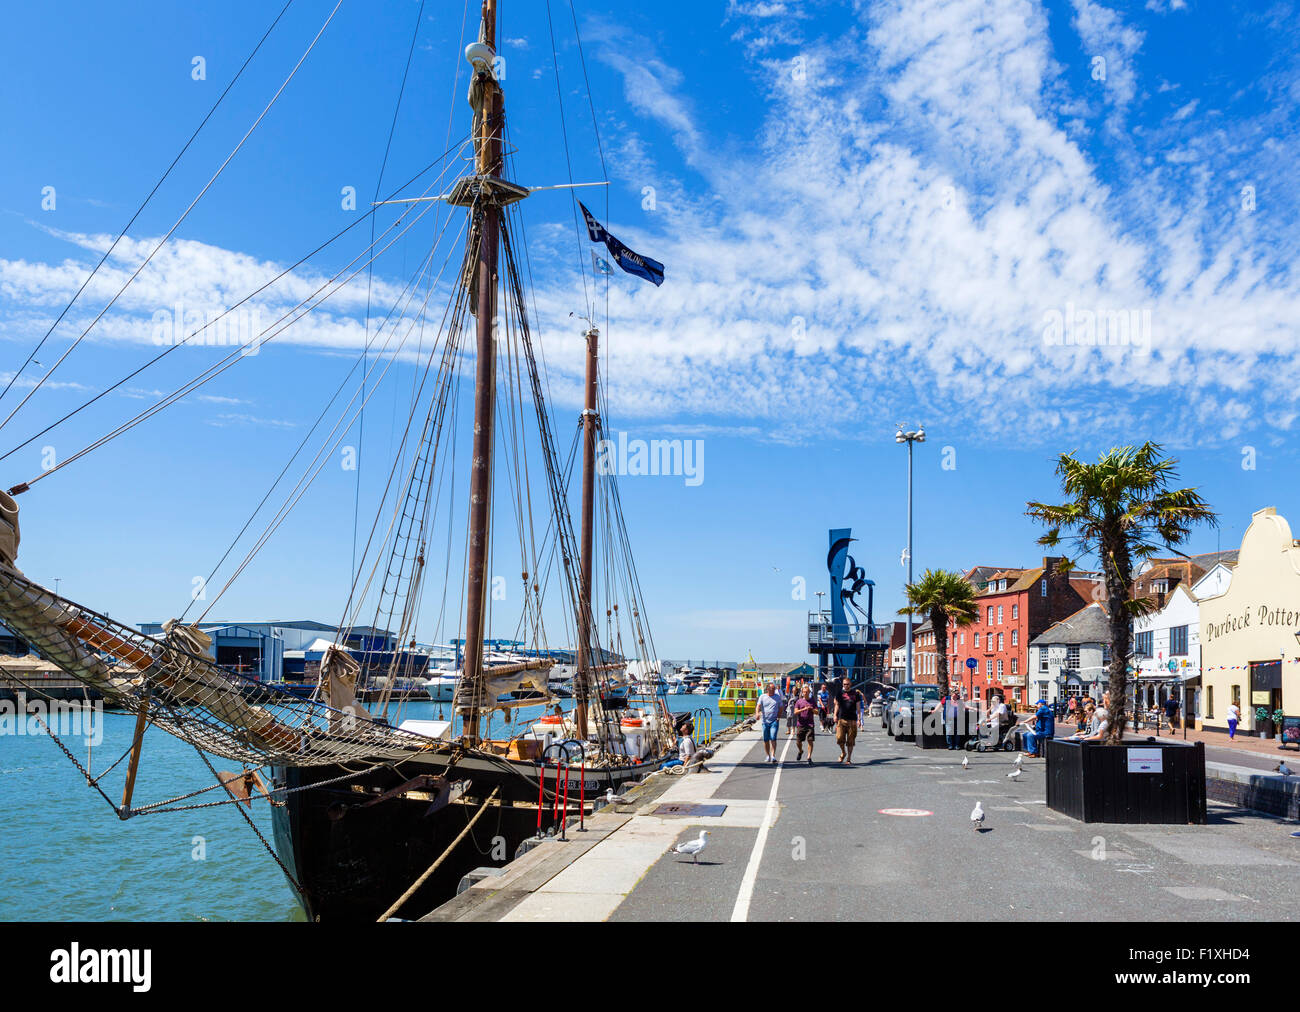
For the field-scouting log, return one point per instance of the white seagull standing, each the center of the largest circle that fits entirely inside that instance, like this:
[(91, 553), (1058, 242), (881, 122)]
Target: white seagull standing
[(1020, 761), (1013, 775), (977, 817), (616, 799), (692, 847), (965, 761)]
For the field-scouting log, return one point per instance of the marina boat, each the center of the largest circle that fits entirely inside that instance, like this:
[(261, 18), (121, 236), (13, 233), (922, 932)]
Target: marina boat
[(371, 812), (739, 696)]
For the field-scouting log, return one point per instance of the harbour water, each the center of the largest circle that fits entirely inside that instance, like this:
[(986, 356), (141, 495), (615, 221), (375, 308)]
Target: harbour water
[(65, 855)]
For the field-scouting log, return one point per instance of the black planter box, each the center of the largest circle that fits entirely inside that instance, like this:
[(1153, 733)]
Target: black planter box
[(1091, 782)]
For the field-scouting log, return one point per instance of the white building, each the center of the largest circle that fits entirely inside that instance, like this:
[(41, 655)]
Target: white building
[(1167, 644), (1072, 657)]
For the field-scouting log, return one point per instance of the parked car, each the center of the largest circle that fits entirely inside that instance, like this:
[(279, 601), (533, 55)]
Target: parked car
[(898, 715)]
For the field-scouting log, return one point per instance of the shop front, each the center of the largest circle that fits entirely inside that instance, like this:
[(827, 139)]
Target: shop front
[(1250, 653)]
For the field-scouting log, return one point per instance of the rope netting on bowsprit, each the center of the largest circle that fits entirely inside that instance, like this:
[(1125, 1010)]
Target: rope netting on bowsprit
[(183, 692)]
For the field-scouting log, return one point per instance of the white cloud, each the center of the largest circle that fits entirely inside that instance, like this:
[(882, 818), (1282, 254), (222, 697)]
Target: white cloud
[(890, 243)]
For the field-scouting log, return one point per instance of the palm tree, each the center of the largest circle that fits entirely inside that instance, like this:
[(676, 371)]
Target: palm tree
[(1120, 509), (942, 596)]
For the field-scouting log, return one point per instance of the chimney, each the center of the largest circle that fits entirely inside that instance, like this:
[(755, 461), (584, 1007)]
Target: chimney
[(1050, 562)]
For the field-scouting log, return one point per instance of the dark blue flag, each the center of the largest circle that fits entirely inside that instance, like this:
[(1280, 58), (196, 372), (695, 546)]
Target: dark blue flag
[(633, 263)]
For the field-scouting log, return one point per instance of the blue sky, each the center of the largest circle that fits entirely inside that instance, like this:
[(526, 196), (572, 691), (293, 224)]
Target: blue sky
[(869, 213)]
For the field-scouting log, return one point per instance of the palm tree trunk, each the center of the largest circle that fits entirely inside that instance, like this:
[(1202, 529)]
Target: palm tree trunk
[(1118, 583), (939, 620)]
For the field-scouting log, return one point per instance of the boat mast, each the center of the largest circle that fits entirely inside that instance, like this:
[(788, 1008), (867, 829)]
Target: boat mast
[(590, 420), (489, 118)]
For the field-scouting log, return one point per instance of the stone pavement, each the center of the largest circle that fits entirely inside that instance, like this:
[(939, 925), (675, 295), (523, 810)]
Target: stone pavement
[(889, 838)]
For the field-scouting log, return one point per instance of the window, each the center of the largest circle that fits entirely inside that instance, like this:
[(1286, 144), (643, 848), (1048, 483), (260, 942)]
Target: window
[(1042, 660), (977, 639), (1042, 588), (1105, 654), (999, 669), (988, 667), (1015, 665), (963, 639), (1142, 644), (1160, 586), (1015, 612), (1000, 641), (1209, 702), (1178, 641), (1072, 657), (1015, 637), (990, 621)]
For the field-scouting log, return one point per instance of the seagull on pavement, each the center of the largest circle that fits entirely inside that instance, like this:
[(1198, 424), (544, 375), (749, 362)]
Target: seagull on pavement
[(965, 761), (1014, 774), (616, 799), (977, 817), (1020, 761), (692, 847)]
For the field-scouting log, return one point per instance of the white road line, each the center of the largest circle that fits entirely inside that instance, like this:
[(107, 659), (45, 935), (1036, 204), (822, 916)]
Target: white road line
[(741, 910)]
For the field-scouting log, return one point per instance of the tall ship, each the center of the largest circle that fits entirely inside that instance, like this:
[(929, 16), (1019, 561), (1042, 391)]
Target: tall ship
[(375, 816)]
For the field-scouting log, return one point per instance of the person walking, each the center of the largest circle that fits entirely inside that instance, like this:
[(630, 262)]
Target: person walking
[(769, 714), (805, 712), (824, 707), (1234, 718), (846, 721), (1171, 711), (951, 709), (795, 695)]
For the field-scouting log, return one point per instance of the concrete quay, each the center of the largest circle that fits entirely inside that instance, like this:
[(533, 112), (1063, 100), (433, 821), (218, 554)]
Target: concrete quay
[(888, 838)]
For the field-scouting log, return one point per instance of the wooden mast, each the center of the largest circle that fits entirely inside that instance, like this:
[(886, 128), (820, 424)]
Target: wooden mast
[(590, 419), (490, 118)]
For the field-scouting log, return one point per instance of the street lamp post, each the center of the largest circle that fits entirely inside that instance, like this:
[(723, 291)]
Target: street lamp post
[(909, 438)]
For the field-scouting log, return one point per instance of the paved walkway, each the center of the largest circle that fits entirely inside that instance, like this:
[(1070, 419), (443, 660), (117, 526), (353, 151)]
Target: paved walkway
[(827, 842)]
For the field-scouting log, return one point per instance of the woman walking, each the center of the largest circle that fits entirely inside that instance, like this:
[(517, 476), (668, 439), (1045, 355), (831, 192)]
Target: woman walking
[(1234, 717)]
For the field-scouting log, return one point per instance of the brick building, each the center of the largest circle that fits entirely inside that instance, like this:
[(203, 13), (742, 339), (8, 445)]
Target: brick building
[(1015, 607)]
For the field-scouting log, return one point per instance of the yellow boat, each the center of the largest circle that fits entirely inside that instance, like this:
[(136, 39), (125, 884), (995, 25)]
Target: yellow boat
[(739, 696)]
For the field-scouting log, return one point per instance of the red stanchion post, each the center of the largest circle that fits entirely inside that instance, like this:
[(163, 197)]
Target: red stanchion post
[(582, 795), (541, 798), (564, 819), (555, 799)]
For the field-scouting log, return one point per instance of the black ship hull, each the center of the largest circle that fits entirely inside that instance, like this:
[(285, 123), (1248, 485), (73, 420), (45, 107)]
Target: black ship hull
[(354, 851)]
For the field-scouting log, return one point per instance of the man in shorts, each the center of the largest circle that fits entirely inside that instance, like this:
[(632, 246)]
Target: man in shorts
[(805, 727), (848, 706), (769, 715)]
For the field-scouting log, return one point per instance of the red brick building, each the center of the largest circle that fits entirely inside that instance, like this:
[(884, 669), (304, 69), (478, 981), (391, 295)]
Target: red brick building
[(1015, 605)]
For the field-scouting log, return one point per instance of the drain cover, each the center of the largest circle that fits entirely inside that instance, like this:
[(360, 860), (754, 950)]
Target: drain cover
[(693, 811)]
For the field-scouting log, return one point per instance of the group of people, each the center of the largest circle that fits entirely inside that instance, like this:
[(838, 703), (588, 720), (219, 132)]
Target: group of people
[(842, 710)]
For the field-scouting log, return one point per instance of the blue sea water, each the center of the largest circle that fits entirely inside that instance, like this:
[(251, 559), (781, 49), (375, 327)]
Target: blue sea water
[(66, 856)]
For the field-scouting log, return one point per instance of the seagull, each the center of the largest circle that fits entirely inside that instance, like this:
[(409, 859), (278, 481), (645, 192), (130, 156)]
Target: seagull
[(1020, 761), (1284, 769), (977, 817), (1014, 774), (616, 799), (965, 761), (692, 847)]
